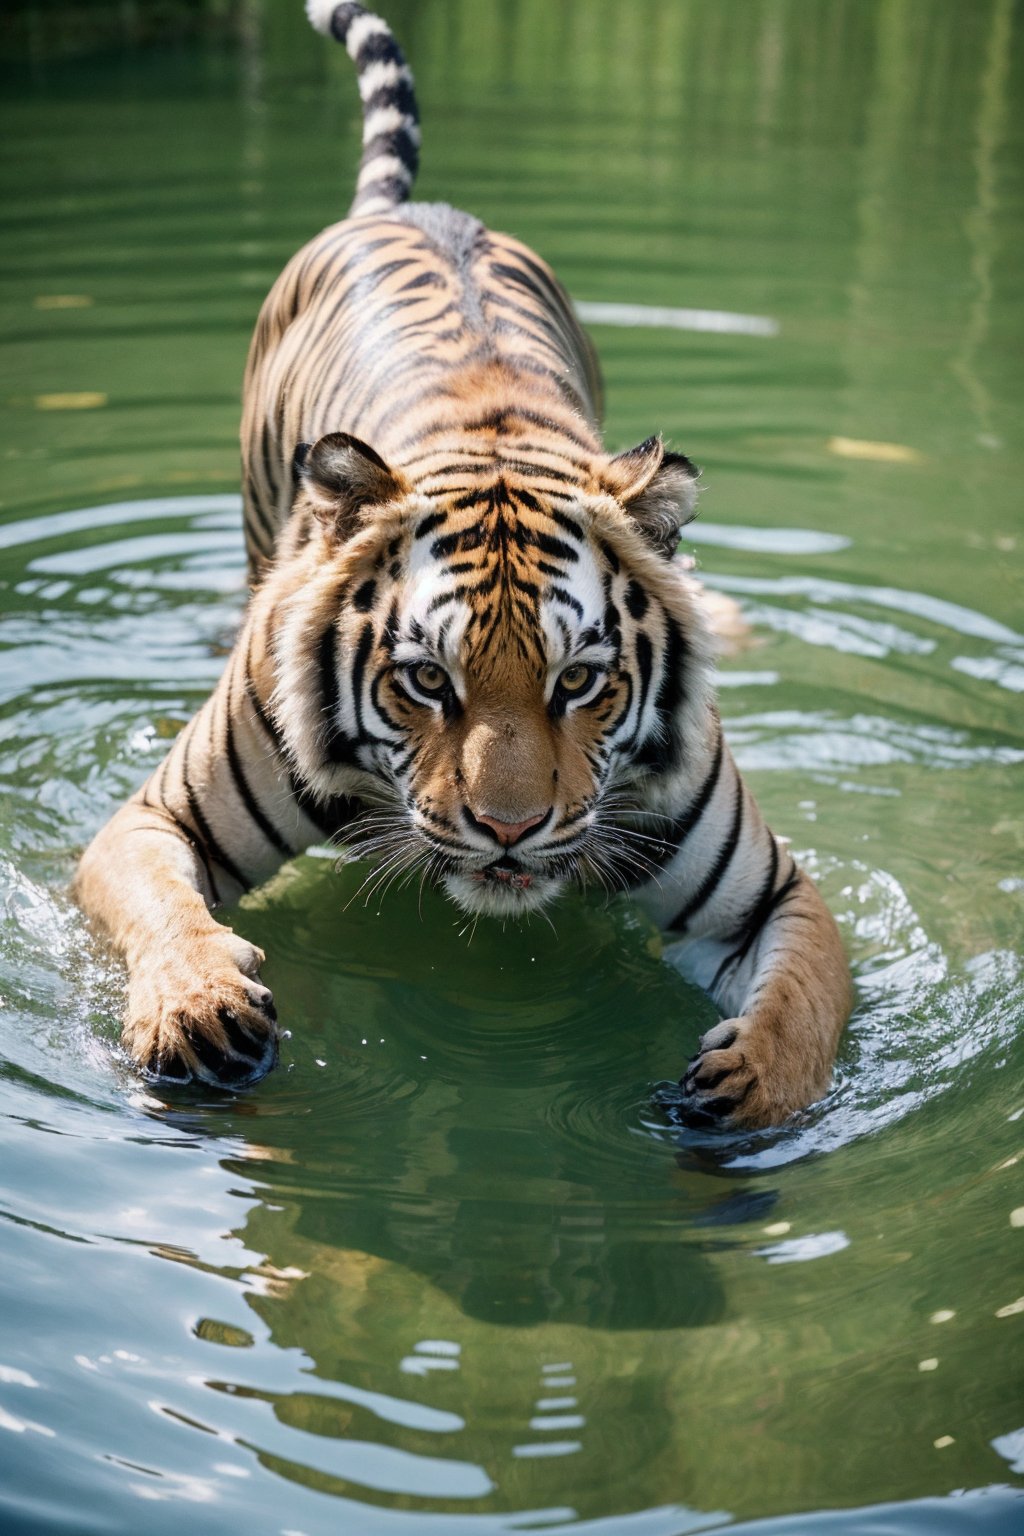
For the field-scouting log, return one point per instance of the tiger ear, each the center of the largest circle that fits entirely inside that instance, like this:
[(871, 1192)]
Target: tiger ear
[(341, 475), (657, 489)]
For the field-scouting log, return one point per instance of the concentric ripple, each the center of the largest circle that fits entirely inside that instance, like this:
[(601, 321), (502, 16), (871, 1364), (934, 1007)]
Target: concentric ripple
[(125, 612)]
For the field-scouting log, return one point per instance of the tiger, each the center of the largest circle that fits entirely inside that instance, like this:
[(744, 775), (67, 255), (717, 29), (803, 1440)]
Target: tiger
[(471, 648)]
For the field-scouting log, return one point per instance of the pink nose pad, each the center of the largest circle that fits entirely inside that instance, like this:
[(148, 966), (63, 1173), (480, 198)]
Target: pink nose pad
[(509, 832)]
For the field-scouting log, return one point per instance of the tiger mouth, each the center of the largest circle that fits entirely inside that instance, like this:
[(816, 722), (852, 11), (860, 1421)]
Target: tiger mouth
[(505, 871)]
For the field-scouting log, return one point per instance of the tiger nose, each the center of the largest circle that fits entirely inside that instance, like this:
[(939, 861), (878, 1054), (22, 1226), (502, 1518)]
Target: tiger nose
[(509, 832)]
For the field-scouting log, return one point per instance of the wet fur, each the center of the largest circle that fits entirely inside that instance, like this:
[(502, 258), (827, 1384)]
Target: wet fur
[(425, 485)]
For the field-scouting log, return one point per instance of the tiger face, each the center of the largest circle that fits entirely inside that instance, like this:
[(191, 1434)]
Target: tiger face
[(500, 664)]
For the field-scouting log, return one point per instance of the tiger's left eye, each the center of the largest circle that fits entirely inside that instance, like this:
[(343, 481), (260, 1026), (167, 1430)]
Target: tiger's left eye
[(429, 678), (577, 678)]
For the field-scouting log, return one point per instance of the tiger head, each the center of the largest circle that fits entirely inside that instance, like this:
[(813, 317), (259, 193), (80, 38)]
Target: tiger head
[(494, 669)]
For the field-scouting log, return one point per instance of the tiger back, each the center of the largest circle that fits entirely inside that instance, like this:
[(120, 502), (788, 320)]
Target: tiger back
[(414, 327)]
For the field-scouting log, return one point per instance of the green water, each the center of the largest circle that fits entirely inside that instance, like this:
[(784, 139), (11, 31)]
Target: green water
[(451, 1268)]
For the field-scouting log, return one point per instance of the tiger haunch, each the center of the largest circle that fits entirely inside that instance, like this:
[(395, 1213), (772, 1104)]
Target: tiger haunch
[(471, 651)]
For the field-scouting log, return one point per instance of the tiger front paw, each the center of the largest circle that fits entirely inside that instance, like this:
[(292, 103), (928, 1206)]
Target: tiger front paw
[(739, 1078), (199, 1011)]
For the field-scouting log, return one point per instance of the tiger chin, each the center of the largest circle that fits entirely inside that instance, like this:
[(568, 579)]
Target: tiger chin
[(471, 649), (511, 890)]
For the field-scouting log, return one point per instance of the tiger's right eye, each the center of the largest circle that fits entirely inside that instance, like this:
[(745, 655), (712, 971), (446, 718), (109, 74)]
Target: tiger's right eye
[(429, 678), (574, 679)]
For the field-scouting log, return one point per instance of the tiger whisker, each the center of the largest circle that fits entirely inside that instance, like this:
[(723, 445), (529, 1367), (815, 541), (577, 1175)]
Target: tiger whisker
[(397, 861), (542, 912), (387, 876)]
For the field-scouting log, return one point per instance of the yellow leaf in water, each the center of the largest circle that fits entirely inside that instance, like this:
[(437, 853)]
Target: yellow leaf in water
[(78, 400), (881, 453), (62, 301)]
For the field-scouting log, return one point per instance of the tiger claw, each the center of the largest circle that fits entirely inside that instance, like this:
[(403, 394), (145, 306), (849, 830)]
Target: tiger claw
[(719, 1080), (243, 1058), (216, 1026)]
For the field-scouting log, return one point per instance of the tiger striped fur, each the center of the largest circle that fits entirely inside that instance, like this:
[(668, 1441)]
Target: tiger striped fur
[(470, 649)]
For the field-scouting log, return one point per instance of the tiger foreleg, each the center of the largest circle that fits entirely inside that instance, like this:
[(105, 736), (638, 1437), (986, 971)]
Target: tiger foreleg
[(755, 934), (196, 1006), (790, 996)]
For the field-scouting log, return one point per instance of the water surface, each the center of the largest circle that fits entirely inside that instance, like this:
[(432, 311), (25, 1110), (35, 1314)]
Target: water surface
[(453, 1267)]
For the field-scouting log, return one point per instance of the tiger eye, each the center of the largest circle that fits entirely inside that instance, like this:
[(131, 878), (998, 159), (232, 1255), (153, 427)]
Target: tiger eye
[(575, 678), (430, 678)]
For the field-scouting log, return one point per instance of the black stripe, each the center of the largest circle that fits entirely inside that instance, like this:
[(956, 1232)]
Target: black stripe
[(327, 814), (711, 881), (488, 497), (645, 663), (398, 93), (613, 726), (768, 900), (397, 142), (358, 668), (763, 902), (214, 848), (268, 724), (565, 521), (378, 48), (636, 600), (560, 595), (445, 822), (337, 741), (502, 419), (538, 471), (269, 452), (265, 825), (583, 464), (558, 549), (162, 779), (684, 824), (299, 457), (520, 496), (424, 280), (342, 18), (362, 601), (395, 189), (430, 522), (255, 514), (661, 750), (465, 540)]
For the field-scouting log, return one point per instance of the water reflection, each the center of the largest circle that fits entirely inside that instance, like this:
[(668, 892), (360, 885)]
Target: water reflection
[(454, 1268), (482, 1129)]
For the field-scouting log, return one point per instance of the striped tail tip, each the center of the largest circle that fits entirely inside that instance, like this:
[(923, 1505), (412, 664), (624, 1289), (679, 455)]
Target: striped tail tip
[(391, 133), (320, 13)]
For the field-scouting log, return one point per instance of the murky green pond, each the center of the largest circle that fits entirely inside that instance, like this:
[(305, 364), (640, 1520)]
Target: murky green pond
[(450, 1268)]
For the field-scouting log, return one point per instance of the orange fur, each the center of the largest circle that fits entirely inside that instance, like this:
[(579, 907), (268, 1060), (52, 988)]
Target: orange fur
[(469, 646)]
